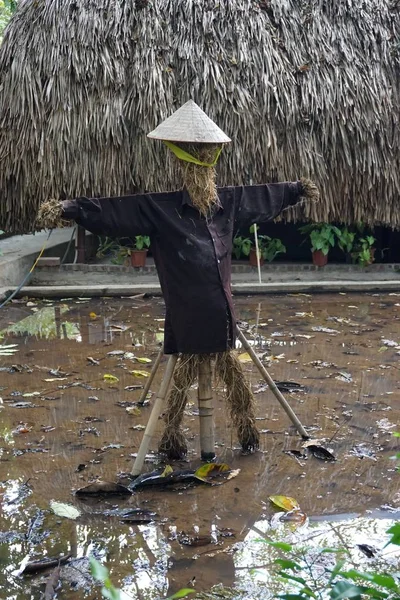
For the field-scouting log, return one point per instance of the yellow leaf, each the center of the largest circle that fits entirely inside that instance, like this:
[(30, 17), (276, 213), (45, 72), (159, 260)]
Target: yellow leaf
[(285, 502), (144, 361), (205, 471), (167, 471), (108, 377), (133, 410), (93, 315), (244, 358), (140, 373)]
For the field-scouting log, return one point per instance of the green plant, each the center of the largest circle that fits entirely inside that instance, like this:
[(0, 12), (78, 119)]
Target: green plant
[(346, 240), (313, 578), (241, 246), (122, 252), (322, 236), (363, 253), (100, 573), (106, 246), (270, 247)]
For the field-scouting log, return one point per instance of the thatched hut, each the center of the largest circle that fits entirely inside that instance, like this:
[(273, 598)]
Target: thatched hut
[(303, 87)]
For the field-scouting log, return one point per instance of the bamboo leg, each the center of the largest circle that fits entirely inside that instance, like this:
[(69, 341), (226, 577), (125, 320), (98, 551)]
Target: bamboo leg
[(151, 378), (206, 409), (155, 413), (278, 395)]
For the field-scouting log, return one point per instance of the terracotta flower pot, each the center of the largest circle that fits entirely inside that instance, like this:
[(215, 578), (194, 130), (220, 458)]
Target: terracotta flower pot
[(138, 258), (319, 258), (253, 258)]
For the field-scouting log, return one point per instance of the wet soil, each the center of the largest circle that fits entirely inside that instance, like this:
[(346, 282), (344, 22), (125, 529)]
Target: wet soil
[(64, 425)]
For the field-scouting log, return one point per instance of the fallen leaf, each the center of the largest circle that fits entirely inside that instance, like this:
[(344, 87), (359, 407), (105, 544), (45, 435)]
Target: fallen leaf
[(64, 510), (110, 378), (325, 330), (369, 551), (133, 410), (140, 373), (132, 515), (245, 357), (92, 360), (210, 470), (285, 502), (320, 452), (143, 360), (167, 471), (93, 315), (195, 541), (100, 488), (45, 563)]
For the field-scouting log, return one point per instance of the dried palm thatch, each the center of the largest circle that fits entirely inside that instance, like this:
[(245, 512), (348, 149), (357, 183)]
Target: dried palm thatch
[(173, 442), (303, 87)]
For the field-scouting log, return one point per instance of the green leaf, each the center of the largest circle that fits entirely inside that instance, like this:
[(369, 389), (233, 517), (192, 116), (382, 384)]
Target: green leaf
[(181, 594), (64, 510), (292, 577), (280, 545), (345, 589), (111, 593), (99, 572), (287, 564), (395, 531), (396, 434), (383, 580)]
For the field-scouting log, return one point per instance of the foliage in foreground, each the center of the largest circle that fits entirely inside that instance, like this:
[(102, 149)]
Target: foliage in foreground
[(309, 580)]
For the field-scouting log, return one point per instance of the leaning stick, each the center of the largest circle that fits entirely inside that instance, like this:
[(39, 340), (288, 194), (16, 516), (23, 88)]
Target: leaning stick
[(272, 386), (149, 381), (206, 409), (155, 414)]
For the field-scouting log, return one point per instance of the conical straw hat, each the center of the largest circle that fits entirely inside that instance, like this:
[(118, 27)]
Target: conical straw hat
[(189, 124)]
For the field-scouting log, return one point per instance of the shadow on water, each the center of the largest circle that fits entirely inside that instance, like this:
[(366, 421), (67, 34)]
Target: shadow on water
[(64, 425)]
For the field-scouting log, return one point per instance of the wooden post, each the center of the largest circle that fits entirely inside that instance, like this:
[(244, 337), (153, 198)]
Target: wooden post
[(151, 378), (155, 413), (272, 386), (206, 409), (80, 244)]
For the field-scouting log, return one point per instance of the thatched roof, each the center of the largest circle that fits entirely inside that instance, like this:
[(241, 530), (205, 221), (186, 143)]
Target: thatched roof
[(303, 88)]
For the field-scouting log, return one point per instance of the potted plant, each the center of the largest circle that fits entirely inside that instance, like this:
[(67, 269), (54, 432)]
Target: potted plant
[(346, 242), (135, 252), (241, 246), (322, 237), (364, 252)]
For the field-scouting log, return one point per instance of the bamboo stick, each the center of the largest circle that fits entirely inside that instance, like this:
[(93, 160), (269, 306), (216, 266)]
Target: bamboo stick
[(151, 378), (206, 409), (155, 413), (257, 253), (272, 386)]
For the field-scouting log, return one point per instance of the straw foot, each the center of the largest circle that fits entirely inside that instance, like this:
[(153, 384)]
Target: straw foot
[(249, 437), (173, 444)]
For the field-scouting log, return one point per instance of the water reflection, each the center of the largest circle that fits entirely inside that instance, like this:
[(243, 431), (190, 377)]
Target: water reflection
[(148, 561)]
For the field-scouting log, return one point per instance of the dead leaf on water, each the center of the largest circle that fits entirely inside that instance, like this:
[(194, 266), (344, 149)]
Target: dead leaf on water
[(103, 488), (110, 378), (244, 357), (64, 510), (285, 502), (136, 373), (210, 470), (320, 452)]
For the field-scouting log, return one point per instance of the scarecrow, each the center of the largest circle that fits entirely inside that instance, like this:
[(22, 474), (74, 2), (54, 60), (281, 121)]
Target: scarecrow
[(191, 233)]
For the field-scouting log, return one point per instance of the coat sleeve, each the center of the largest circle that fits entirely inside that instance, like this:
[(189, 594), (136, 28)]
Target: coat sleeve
[(260, 203), (123, 216)]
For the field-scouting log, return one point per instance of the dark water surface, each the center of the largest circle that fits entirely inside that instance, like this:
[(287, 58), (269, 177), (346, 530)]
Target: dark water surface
[(63, 426)]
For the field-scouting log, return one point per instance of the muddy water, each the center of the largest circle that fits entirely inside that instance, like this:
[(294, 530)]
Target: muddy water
[(63, 425)]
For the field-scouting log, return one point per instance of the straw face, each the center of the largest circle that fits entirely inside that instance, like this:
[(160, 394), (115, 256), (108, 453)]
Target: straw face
[(189, 124)]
